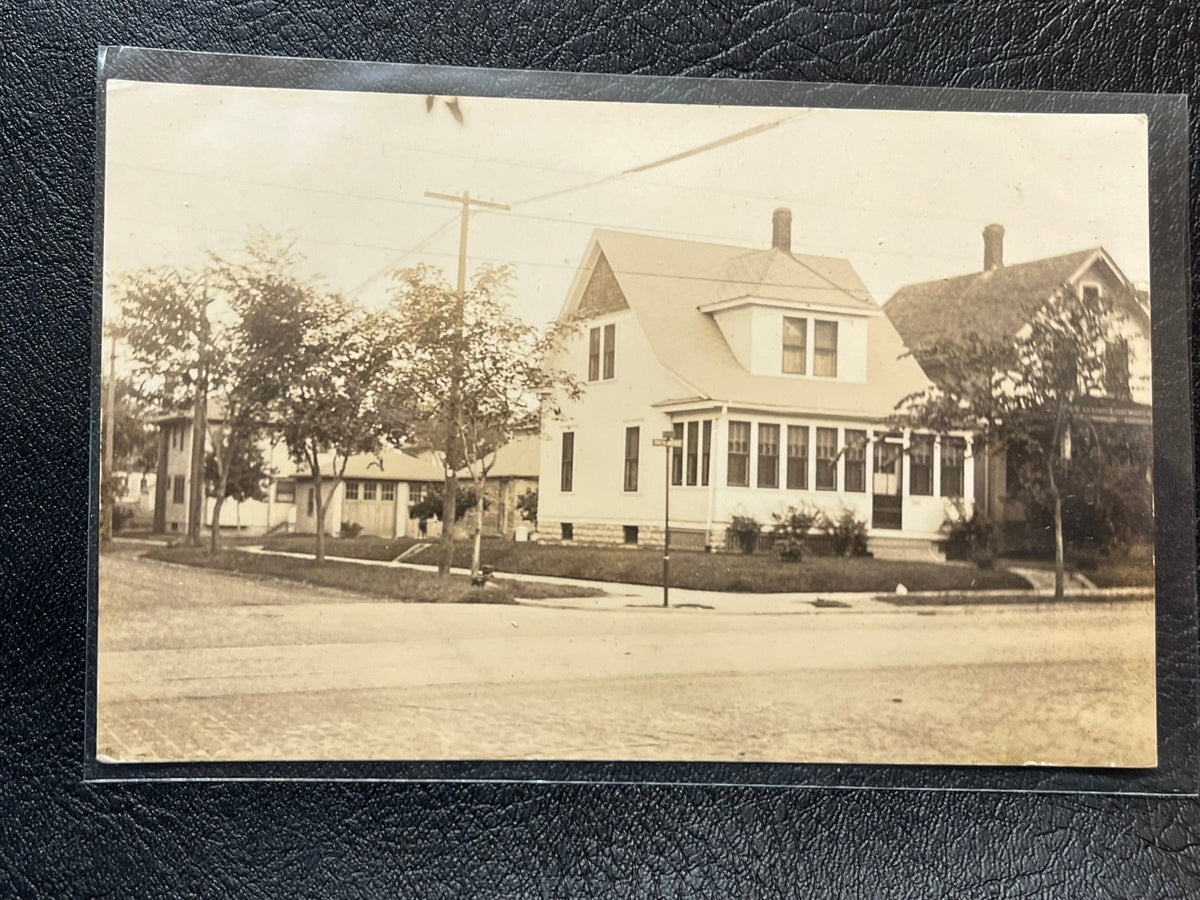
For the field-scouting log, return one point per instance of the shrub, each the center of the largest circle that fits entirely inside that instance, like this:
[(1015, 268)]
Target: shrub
[(351, 529), (790, 530), (849, 533), (747, 530), (527, 504), (976, 538)]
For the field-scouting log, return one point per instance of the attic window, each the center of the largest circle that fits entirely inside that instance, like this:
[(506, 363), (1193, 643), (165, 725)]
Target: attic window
[(1089, 293), (602, 349), (825, 341), (795, 346)]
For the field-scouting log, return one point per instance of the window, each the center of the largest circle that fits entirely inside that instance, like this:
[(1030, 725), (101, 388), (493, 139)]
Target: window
[(178, 489), (856, 461), (1015, 462), (954, 450), (825, 339), (387, 491), (768, 456), (368, 490), (677, 455), (610, 350), (827, 452), (631, 534), (633, 439), (567, 477), (693, 452), (920, 465), (739, 454), (594, 355), (1116, 369), (706, 451), (1089, 293), (568, 531), (171, 432), (797, 457), (311, 501), (795, 346), (351, 490), (285, 492)]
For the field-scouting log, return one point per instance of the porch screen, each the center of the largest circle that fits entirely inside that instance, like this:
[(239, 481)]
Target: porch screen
[(706, 451), (768, 456), (953, 452), (739, 454), (797, 457), (920, 465), (677, 455), (827, 452), (693, 451), (856, 460)]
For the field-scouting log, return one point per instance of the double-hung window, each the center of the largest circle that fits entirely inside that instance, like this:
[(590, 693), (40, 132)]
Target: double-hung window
[(177, 489), (827, 453), (739, 454), (602, 352), (351, 490), (825, 341), (768, 456), (633, 440), (567, 475), (795, 346)]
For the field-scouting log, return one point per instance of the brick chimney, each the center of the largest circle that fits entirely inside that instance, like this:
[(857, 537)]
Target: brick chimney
[(993, 247), (781, 230)]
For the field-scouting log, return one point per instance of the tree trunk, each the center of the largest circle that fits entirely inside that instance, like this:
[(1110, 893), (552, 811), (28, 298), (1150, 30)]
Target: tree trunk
[(319, 508), (475, 550), (199, 439), (218, 502), (449, 513), (1059, 562)]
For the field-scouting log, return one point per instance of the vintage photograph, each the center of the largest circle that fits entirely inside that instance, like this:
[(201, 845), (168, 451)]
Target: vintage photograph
[(485, 428)]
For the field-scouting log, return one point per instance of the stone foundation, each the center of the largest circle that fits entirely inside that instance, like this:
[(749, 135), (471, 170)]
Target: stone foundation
[(609, 535)]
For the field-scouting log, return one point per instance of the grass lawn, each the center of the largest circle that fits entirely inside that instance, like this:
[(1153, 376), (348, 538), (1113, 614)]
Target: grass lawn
[(1133, 567), (363, 547), (689, 569), (392, 583)]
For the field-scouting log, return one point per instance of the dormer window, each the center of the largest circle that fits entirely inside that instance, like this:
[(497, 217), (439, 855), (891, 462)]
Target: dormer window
[(825, 341), (795, 346), (602, 352), (1089, 293)]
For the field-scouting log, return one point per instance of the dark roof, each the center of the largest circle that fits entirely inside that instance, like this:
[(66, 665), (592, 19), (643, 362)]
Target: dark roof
[(666, 281), (997, 302)]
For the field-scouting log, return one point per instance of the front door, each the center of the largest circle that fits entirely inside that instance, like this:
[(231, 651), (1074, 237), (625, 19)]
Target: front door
[(886, 485)]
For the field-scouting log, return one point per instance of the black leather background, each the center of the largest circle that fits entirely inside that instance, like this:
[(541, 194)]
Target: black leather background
[(61, 837)]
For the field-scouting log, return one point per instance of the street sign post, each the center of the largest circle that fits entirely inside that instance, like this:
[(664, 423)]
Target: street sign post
[(669, 442)]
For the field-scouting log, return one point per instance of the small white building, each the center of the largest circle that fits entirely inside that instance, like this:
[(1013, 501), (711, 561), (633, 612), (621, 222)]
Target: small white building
[(776, 370)]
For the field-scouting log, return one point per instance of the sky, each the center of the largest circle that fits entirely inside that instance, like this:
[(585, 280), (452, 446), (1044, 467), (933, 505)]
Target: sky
[(903, 195)]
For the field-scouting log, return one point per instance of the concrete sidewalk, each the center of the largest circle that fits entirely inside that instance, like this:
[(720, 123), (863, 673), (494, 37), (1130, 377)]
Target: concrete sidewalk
[(648, 598)]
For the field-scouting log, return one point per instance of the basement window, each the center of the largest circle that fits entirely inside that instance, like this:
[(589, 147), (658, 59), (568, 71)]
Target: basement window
[(631, 534), (568, 530)]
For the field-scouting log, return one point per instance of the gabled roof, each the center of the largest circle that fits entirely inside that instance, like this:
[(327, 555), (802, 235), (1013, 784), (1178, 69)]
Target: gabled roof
[(997, 302), (519, 458), (387, 465), (666, 281)]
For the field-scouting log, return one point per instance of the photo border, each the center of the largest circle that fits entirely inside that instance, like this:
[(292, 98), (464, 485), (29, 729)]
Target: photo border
[(1178, 770)]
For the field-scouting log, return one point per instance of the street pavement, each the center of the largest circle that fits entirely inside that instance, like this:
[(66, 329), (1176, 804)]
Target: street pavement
[(202, 665)]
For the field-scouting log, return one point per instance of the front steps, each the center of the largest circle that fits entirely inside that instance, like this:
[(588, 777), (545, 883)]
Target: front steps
[(909, 549)]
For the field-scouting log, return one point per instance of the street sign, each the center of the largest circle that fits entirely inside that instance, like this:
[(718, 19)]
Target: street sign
[(667, 442)]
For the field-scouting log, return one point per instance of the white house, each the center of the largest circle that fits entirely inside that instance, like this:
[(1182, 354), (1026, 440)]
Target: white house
[(777, 371), (999, 301)]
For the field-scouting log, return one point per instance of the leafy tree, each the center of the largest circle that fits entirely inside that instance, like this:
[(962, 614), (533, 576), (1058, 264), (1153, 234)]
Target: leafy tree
[(135, 437), (475, 375), (315, 363), (527, 504), (1034, 391), (164, 323), (430, 506)]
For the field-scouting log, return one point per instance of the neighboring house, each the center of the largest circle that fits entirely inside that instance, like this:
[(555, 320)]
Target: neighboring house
[(375, 491), (173, 479), (512, 470), (1000, 301), (777, 371)]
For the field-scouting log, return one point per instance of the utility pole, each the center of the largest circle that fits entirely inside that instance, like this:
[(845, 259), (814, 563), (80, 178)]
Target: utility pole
[(670, 443), (199, 425), (450, 493)]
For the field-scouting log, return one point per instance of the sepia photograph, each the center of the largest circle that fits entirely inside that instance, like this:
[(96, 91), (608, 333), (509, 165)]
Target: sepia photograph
[(468, 427)]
